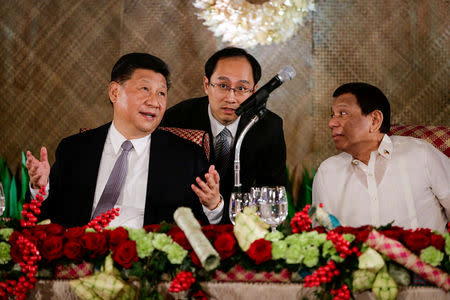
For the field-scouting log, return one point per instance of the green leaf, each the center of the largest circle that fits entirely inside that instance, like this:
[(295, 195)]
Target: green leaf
[(5, 178), (25, 179), (13, 200), (291, 206)]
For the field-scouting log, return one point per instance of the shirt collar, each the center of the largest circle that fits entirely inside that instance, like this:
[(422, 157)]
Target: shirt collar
[(385, 148), (117, 140), (216, 127)]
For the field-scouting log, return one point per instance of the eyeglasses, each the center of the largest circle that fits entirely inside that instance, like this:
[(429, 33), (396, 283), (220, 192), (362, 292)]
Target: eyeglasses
[(224, 88)]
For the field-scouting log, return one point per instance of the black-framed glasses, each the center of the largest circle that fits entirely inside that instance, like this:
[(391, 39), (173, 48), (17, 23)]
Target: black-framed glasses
[(224, 88)]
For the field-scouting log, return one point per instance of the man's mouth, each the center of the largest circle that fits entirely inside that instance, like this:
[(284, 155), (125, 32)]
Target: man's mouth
[(337, 135), (228, 110), (148, 115)]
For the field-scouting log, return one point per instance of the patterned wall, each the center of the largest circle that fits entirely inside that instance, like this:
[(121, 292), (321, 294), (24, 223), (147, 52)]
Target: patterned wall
[(57, 57)]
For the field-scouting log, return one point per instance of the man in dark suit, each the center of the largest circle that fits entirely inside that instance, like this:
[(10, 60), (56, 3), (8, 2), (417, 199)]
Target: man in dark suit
[(156, 168), (231, 76)]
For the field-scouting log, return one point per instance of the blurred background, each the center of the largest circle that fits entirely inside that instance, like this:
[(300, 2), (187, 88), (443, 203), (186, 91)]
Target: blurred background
[(57, 57)]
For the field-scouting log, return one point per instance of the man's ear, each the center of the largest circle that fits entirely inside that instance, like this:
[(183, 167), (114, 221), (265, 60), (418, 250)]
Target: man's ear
[(113, 91), (205, 84), (377, 120)]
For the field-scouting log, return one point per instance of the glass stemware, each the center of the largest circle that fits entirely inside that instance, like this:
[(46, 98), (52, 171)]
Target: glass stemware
[(238, 201), (273, 205)]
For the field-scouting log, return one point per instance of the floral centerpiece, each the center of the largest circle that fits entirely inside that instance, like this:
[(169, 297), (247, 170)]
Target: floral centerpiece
[(123, 263)]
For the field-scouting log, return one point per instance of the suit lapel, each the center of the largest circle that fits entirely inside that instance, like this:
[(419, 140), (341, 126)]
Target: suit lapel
[(157, 164), (92, 164)]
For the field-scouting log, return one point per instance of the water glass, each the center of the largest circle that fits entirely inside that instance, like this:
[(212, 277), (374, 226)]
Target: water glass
[(238, 202), (273, 205)]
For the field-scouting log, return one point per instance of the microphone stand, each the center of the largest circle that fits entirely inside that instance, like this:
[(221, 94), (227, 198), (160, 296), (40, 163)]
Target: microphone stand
[(258, 114)]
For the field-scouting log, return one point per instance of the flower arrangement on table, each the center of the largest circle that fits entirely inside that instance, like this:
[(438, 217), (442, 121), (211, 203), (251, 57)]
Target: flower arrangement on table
[(124, 263)]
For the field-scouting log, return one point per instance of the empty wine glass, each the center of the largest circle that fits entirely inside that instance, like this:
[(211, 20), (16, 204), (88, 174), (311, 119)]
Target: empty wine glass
[(273, 206), (2, 199), (238, 201)]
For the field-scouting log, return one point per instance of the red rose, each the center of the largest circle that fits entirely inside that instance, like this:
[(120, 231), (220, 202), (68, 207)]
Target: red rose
[(417, 241), (260, 251), (53, 229), (180, 238), (95, 242), (16, 254), (125, 254), (224, 228), (394, 234), (117, 236), (225, 244), (74, 233), (152, 228), (195, 259), (210, 232), (73, 249), (199, 295), (52, 248), (319, 229), (437, 241)]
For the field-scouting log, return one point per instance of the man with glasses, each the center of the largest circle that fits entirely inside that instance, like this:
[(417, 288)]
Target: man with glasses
[(231, 76)]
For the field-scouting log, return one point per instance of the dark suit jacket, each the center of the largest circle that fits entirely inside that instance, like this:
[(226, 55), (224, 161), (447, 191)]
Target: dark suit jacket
[(174, 164), (263, 150)]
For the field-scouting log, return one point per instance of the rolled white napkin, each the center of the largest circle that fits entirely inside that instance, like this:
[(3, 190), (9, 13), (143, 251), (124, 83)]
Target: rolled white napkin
[(206, 253)]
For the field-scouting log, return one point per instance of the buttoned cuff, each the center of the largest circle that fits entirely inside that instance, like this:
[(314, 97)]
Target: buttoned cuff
[(214, 216)]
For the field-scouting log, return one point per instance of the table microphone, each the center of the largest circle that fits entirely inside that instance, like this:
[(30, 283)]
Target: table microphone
[(262, 94)]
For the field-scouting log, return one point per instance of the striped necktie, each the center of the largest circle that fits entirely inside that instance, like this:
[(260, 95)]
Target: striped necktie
[(222, 150), (115, 181)]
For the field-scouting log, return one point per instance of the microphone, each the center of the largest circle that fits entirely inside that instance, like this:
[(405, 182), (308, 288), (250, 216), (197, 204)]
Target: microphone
[(261, 95)]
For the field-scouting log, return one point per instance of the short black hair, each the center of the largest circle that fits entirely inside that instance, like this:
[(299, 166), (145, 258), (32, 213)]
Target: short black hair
[(369, 98), (232, 52), (127, 64)]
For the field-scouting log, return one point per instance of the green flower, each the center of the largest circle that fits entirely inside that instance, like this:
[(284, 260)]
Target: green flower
[(89, 229), (293, 239), (312, 238), (431, 256), (311, 256), (5, 256), (294, 254), (136, 233), (274, 236), (160, 240), (362, 280), (447, 243), (328, 249), (371, 260), (5, 233), (349, 237), (175, 253), (279, 249), (144, 246)]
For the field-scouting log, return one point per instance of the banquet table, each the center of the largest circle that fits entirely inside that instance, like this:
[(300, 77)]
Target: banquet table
[(60, 289)]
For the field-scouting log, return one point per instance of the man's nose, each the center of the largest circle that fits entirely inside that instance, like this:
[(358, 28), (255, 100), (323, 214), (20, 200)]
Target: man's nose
[(333, 122), (152, 100)]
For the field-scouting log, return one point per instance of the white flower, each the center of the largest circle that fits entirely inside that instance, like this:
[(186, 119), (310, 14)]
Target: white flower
[(244, 24)]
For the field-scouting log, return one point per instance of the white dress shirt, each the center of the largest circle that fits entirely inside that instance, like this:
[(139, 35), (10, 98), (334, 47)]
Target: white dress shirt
[(132, 198), (407, 181)]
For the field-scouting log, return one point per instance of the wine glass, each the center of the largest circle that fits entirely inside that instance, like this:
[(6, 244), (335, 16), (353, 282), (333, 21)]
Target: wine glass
[(2, 199), (238, 201), (255, 195), (273, 205)]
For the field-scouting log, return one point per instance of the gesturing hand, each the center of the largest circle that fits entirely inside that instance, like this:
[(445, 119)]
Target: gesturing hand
[(208, 192), (38, 170)]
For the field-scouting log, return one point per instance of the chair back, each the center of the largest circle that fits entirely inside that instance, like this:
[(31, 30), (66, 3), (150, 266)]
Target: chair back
[(438, 136), (199, 137)]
